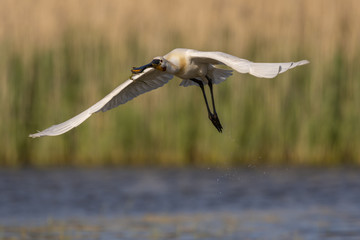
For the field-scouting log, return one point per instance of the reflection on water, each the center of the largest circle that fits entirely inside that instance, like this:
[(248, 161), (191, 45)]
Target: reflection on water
[(246, 203)]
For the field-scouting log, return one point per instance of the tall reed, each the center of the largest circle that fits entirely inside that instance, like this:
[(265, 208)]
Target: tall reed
[(59, 57)]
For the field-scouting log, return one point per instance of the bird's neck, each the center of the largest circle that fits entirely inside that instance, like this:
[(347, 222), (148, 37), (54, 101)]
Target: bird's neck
[(172, 68)]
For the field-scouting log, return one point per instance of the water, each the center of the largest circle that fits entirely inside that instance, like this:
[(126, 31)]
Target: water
[(247, 203)]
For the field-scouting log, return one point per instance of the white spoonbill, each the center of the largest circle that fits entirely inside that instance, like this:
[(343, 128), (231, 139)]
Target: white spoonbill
[(192, 66)]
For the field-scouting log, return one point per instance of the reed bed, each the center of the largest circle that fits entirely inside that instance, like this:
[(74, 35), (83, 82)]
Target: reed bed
[(59, 57)]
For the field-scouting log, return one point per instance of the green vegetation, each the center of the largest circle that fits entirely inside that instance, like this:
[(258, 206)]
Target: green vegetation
[(49, 73)]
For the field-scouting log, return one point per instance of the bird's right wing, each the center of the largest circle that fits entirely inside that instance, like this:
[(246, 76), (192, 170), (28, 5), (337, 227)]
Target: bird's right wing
[(148, 80), (144, 82), (263, 70)]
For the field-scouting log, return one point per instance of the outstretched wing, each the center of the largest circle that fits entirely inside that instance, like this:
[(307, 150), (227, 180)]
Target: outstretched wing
[(141, 83), (144, 82), (263, 70)]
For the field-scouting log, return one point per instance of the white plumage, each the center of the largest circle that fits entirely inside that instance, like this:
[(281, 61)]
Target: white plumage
[(193, 67)]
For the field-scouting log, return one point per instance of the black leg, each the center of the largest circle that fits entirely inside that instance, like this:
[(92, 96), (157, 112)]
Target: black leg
[(213, 117), (201, 85), (211, 92)]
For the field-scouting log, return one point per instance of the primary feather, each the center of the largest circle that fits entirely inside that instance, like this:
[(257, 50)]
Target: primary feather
[(131, 88)]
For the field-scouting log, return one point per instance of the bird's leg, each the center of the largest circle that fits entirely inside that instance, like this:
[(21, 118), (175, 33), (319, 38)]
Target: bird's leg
[(212, 117), (215, 116), (211, 92), (201, 85)]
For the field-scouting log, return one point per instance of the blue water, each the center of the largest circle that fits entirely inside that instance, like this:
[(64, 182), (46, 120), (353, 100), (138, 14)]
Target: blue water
[(249, 203)]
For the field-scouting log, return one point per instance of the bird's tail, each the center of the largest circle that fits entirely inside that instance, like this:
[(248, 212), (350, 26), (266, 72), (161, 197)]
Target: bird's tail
[(219, 75)]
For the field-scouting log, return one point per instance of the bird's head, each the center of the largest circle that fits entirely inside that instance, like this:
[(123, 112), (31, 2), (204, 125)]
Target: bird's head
[(158, 63)]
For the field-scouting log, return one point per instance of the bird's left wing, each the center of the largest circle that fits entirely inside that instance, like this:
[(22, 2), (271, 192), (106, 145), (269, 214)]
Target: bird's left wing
[(148, 80), (263, 70)]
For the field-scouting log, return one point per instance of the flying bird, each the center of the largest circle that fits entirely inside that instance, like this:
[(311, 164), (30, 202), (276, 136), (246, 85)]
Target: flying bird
[(192, 66)]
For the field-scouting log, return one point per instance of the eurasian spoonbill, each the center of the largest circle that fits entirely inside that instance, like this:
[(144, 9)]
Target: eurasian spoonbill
[(192, 66)]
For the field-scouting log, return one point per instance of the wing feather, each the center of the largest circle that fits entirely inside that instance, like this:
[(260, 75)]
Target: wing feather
[(263, 70), (148, 80)]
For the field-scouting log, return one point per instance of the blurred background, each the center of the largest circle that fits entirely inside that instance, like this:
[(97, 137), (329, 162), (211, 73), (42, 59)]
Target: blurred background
[(57, 58)]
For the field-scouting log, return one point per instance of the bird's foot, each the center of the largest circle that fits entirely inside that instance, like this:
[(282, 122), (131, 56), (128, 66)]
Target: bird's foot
[(216, 121)]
